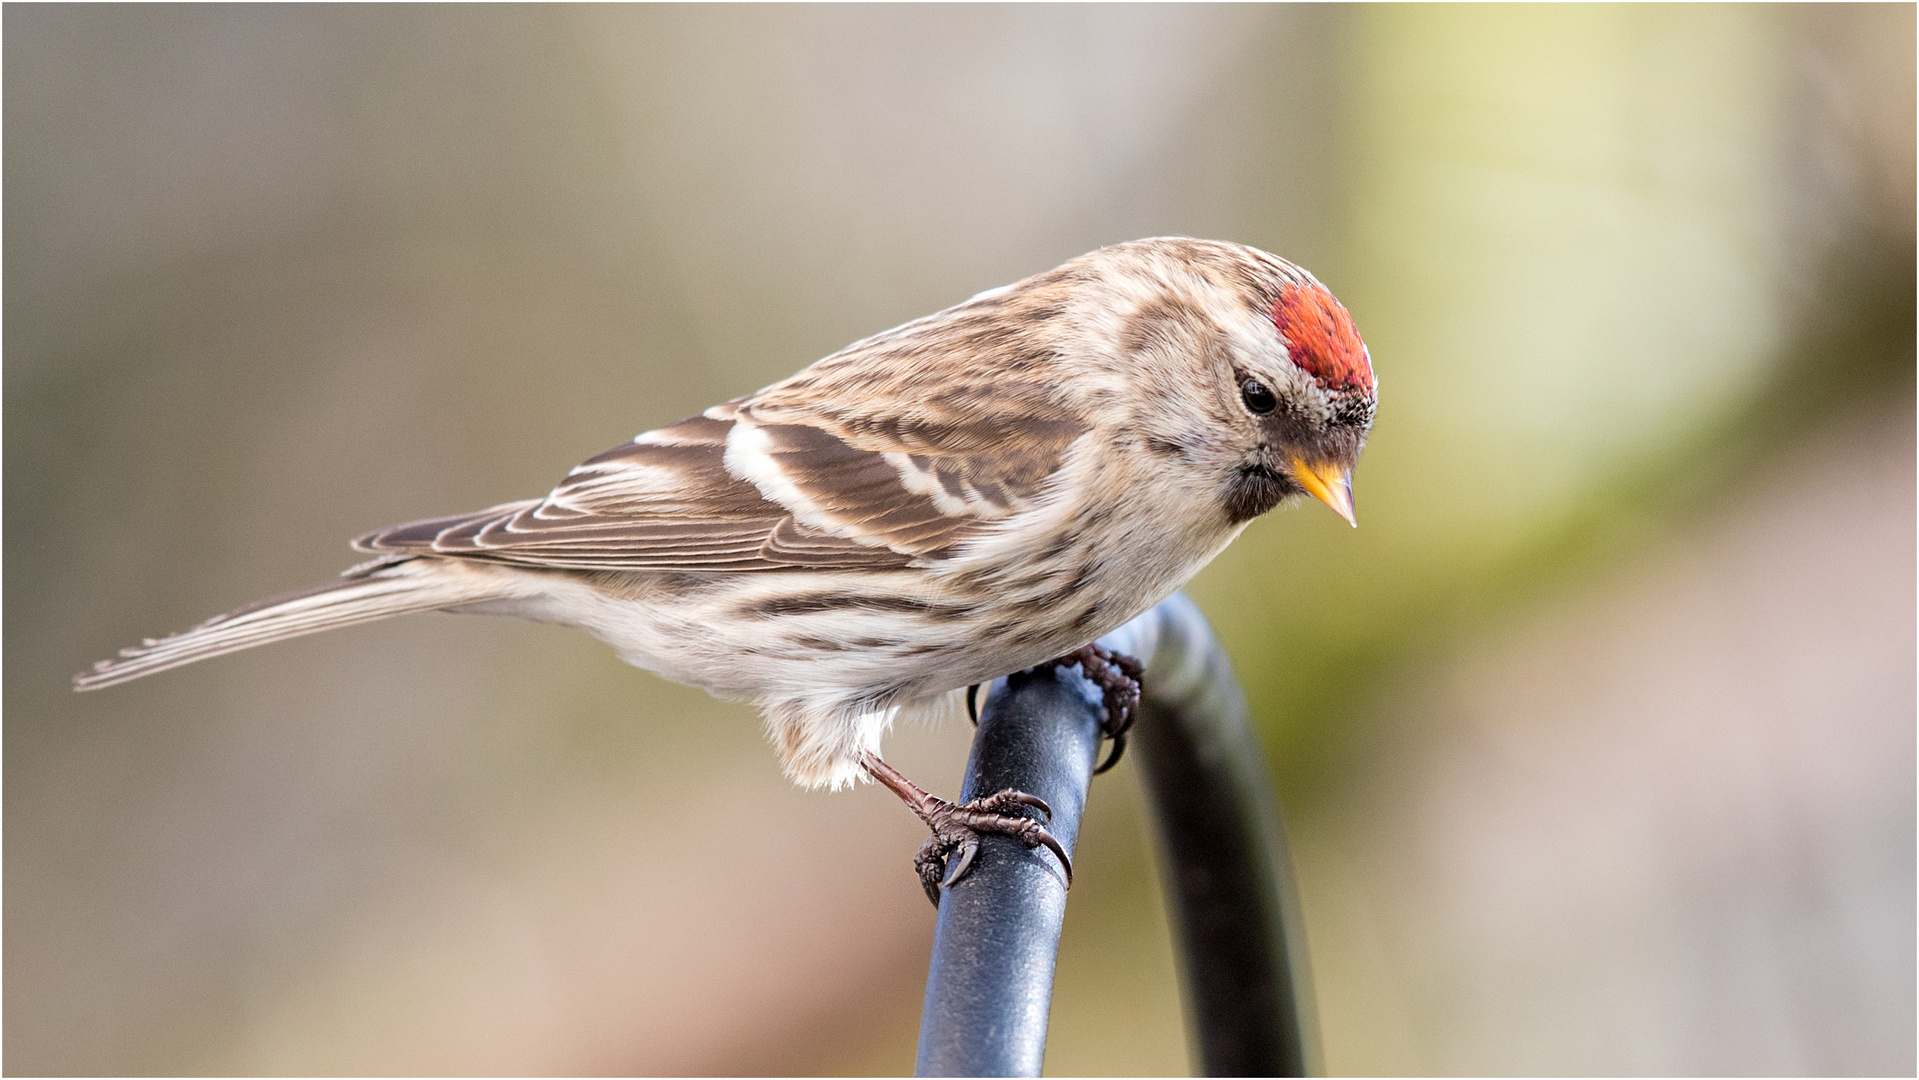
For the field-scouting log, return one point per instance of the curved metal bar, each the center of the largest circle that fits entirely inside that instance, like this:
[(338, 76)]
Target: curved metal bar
[(991, 980), (1223, 858), (1224, 863)]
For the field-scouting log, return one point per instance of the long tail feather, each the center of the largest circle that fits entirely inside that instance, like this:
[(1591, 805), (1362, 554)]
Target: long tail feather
[(376, 593)]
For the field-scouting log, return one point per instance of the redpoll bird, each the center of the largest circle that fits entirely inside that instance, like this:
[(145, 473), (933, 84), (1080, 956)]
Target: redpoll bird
[(971, 494)]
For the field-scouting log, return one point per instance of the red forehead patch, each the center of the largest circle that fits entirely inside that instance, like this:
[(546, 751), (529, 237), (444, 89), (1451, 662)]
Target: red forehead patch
[(1320, 338)]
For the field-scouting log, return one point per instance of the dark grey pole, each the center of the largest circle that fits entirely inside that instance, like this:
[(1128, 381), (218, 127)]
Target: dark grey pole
[(1227, 873), (991, 980), (1223, 861)]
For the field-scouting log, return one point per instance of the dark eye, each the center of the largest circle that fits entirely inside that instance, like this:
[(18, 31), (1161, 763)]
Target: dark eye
[(1257, 397)]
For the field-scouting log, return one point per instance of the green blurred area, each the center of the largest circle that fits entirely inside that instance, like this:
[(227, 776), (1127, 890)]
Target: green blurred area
[(275, 276)]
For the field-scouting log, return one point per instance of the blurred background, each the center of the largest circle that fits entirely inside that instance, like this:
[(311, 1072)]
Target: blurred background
[(1596, 738)]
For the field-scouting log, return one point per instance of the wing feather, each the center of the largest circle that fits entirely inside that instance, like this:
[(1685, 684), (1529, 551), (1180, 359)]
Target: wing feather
[(875, 458)]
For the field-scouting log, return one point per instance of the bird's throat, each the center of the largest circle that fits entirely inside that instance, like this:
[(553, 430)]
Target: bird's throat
[(1253, 489)]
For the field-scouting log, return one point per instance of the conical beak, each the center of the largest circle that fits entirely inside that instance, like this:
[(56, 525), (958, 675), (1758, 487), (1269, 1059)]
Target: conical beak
[(1330, 483)]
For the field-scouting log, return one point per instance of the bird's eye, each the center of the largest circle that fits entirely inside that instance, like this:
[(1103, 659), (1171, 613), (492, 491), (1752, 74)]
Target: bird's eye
[(1257, 397)]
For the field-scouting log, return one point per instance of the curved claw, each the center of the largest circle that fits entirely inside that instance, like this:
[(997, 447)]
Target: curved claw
[(968, 849), (1053, 845), (1112, 756), (1033, 801), (972, 703)]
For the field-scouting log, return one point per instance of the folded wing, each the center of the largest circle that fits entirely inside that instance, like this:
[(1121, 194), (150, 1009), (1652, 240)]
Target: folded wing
[(726, 492)]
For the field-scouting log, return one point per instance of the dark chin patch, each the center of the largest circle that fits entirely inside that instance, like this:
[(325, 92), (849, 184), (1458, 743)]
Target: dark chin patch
[(1252, 490)]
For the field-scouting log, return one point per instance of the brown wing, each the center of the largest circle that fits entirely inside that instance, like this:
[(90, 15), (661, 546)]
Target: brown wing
[(662, 502), (921, 434), (835, 468)]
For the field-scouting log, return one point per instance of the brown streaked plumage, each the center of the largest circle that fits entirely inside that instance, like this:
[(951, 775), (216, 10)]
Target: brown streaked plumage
[(967, 495)]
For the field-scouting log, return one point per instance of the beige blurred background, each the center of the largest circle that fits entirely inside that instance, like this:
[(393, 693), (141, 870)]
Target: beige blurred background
[(1596, 738)]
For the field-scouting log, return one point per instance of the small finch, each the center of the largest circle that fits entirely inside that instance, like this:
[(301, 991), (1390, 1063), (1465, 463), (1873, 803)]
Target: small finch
[(977, 492)]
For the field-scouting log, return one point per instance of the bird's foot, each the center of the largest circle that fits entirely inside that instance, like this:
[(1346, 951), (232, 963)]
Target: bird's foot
[(957, 827), (1118, 676)]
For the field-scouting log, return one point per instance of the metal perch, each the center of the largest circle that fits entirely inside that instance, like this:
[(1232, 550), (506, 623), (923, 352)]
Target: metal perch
[(1223, 859)]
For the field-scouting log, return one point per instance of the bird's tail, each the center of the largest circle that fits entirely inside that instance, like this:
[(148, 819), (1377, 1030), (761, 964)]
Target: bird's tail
[(376, 591)]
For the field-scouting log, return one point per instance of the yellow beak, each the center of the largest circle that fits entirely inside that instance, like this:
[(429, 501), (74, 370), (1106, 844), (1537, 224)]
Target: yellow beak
[(1330, 483)]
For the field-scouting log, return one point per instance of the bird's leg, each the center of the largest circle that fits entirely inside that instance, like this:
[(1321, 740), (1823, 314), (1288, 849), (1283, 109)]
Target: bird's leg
[(957, 826), (1118, 677)]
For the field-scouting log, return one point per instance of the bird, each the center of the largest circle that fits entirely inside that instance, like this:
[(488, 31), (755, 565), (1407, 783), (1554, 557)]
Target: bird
[(977, 492)]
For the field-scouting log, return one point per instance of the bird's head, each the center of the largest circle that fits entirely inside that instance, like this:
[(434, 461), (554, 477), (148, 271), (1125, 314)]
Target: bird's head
[(1262, 385), (1308, 403)]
